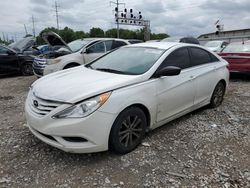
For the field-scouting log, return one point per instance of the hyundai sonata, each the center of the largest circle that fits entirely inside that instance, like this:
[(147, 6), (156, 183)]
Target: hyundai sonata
[(111, 102)]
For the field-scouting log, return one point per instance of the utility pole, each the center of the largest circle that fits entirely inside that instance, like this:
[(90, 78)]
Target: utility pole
[(25, 29), (33, 24), (117, 14), (57, 14)]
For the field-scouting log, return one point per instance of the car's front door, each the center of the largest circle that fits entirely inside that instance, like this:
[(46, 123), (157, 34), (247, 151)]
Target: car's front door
[(8, 61), (175, 94), (94, 51)]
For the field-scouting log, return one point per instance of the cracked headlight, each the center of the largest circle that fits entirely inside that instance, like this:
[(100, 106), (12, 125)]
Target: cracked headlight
[(84, 108)]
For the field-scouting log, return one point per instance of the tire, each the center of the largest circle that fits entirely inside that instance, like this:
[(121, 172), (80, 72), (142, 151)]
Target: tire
[(27, 69), (218, 95), (71, 65), (128, 130)]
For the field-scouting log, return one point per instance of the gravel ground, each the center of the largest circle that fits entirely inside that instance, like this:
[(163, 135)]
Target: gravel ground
[(209, 147)]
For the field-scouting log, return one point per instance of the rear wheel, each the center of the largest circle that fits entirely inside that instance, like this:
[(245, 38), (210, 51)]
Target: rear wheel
[(128, 130), (27, 69), (218, 95)]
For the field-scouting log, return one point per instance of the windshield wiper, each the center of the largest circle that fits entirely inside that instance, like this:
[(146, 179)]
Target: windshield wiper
[(110, 70)]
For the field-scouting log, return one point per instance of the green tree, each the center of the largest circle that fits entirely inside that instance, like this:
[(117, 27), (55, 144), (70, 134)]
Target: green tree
[(96, 32)]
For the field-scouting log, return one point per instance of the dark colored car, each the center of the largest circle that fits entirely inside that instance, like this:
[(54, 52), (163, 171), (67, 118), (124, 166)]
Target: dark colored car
[(189, 40), (237, 54), (13, 62)]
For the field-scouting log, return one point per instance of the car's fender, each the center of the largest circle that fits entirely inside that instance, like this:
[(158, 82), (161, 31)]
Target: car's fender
[(138, 94)]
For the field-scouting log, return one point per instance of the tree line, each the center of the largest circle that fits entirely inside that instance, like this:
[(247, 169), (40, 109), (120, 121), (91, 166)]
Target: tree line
[(69, 34)]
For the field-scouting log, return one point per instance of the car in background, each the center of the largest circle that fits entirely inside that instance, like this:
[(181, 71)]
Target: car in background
[(216, 45), (134, 41), (189, 40), (111, 102), (13, 62), (24, 46), (83, 51), (237, 54)]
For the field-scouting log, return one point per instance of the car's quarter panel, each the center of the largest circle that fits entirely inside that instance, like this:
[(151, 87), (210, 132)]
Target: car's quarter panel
[(205, 79), (174, 94)]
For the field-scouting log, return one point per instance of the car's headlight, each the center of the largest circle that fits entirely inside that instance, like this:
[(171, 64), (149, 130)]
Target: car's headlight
[(54, 61), (84, 108)]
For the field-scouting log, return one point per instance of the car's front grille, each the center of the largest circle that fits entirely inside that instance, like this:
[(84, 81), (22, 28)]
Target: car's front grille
[(41, 107), (38, 66)]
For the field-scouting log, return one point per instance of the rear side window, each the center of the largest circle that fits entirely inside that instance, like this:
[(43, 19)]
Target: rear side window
[(200, 56), (213, 58), (117, 44), (179, 58)]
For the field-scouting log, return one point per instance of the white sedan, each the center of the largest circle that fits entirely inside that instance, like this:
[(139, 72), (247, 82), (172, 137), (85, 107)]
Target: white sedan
[(111, 102)]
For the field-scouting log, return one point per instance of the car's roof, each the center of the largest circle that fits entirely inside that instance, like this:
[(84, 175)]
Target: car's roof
[(160, 45)]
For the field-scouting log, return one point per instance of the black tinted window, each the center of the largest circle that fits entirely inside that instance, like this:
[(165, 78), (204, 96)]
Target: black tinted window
[(200, 56), (213, 58), (117, 44), (179, 58)]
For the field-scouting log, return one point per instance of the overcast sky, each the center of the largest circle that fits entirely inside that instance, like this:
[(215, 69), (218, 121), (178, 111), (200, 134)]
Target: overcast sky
[(175, 17)]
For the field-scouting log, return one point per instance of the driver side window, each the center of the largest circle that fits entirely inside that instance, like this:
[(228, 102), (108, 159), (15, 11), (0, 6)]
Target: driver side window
[(97, 48), (178, 58)]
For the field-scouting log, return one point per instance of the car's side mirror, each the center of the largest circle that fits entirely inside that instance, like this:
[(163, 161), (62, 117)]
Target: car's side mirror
[(168, 71)]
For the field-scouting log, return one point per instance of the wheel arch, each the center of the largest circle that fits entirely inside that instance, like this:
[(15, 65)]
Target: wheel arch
[(145, 111), (71, 64)]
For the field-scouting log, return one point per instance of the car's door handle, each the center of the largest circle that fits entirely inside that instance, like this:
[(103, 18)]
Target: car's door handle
[(191, 77)]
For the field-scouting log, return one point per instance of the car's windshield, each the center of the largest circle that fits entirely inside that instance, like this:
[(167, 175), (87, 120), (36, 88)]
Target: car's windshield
[(129, 60), (237, 47), (77, 44), (213, 44)]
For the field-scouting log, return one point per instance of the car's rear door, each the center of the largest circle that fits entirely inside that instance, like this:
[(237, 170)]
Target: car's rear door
[(175, 94), (205, 67)]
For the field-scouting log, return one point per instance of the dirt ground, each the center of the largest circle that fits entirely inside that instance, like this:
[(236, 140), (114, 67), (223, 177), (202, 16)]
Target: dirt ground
[(207, 148)]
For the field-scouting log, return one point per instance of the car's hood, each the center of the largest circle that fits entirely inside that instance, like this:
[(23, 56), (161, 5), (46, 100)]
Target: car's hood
[(76, 84), (54, 39), (23, 44)]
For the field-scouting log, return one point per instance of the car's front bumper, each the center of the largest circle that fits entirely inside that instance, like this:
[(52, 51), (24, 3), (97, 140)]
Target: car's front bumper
[(93, 130), (39, 66)]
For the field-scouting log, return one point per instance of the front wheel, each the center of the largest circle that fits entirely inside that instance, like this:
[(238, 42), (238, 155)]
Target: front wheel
[(27, 69), (218, 95), (128, 130)]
